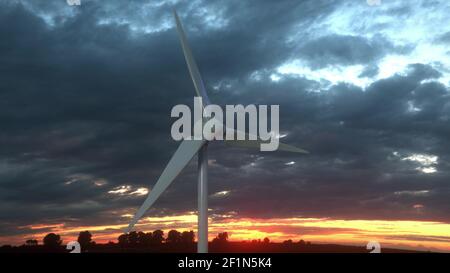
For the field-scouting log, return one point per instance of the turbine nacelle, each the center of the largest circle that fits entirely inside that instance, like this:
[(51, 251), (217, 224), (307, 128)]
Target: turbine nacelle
[(209, 123)]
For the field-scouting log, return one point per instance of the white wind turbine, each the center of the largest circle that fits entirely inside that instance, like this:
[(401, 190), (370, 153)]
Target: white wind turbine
[(187, 150)]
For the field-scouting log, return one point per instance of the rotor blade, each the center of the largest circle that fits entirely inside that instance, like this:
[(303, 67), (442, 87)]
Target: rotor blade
[(257, 144), (184, 153), (192, 66), (247, 143)]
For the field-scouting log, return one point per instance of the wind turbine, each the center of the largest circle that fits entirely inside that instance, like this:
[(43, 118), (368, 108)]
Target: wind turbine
[(187, 150)]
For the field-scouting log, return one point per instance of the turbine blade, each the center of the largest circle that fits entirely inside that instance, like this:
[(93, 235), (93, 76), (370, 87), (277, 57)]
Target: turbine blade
[(247, 143), (184, 153), (192, 66), (256, 144)]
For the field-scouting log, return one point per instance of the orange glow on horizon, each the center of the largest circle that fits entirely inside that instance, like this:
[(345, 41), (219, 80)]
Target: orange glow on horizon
[(421, 235)]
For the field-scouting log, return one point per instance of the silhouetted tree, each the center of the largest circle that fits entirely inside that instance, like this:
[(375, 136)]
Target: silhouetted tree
[(221, 238), (123, 240), (52, 240), (157, 237), (288, 242), (187, 237), (133, 238), (6, 248), (144, 239), (301, 243), (140, 238), (266, 240), (31, 242), (85, 239), (173, 237)]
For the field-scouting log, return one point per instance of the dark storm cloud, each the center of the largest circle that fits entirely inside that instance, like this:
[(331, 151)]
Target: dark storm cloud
[(86, 96), (444, 38), (353, 133), (344, 49), (369, 71), (90, 98)]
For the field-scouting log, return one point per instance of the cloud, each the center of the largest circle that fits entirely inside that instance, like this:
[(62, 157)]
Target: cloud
[(344, 50)]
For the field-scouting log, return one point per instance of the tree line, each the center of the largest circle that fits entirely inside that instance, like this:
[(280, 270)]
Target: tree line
[(156, 241), (131, 239)]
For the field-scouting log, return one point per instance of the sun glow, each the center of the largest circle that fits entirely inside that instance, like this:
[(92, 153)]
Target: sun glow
[(423, 235)]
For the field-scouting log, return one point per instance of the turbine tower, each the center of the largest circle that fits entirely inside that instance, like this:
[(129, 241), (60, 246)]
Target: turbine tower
[(187, 150)]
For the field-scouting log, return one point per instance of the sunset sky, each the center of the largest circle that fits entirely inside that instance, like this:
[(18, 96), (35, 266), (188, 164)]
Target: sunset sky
[(86, 93)]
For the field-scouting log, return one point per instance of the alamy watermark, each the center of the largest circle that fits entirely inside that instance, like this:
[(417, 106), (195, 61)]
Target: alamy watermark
[(209, 123), (374, 246), (74, 246)]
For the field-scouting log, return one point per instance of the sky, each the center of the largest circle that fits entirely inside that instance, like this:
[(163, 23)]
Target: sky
[(86, 93)]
